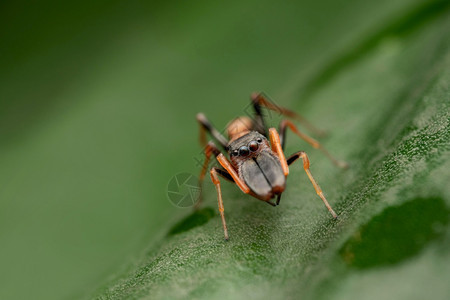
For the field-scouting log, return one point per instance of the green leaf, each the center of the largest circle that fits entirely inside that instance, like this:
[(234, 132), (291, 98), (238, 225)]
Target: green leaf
[(97, 116), (387, 103)]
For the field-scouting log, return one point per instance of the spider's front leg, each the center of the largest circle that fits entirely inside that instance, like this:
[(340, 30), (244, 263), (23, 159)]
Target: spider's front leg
[(210, 150), (277, 148), (229, 173), (319, 192), (215, 179)]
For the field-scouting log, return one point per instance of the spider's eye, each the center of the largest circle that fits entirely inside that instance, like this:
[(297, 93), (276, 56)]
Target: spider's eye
[(259, 140), (253, 146), (244, 151), (234, 153)]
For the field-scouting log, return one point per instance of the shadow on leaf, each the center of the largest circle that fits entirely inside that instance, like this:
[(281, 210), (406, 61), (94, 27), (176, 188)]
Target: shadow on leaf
[(197, 218), (396, 234)]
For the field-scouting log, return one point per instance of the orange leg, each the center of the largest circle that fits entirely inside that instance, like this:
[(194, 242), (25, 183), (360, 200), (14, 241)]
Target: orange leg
[(288, 124), (262, 100), (319, 192), (229, 168), (216, 181), (276, 147), (228, 174), (210, 149)]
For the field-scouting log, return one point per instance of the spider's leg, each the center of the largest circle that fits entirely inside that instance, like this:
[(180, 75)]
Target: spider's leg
[(216, 181), (261, 100), (276, 147), (229, 174), (315, 144), (206, 126), (258, 122), (230, 169), (210, 150), (319, 192)]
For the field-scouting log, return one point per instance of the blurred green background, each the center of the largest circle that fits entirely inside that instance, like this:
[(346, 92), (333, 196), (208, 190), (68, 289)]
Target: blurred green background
[(97, 106)]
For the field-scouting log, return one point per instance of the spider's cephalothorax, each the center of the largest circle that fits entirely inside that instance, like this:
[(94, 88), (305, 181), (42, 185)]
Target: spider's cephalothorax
[(259, 167), (256, 163)]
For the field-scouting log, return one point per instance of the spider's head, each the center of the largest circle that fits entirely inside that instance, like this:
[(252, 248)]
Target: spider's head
[(257, 165), (247, 146)]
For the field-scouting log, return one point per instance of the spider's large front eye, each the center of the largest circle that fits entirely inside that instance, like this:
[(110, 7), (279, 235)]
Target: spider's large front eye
[(253, 146), (244, 151)]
